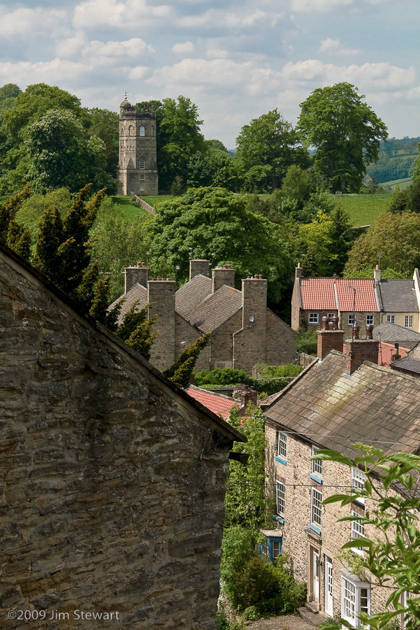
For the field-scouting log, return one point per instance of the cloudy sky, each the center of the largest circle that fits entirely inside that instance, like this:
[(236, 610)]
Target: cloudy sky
[(235, 59)]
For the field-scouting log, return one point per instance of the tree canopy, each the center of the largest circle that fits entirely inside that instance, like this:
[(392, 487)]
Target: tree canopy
[(214, 223), (345, 133), (265, 149)]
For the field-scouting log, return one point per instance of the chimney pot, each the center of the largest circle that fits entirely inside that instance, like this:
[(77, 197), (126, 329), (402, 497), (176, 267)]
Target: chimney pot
[(335, 322), (369, 331), (356, 330), (325, 323)]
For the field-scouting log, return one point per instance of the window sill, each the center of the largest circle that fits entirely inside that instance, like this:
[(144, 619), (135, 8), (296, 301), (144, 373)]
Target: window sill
[(315, 529), (280, 460), (315, 478), (279, 519)]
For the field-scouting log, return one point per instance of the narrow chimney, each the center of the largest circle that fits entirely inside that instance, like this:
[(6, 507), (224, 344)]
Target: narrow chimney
[(161, 292), (133, 275), (377, 275), (222, 275), (358, 350), (329, 339), (199, 266), (396, 356), (298, 271), (248, 396)]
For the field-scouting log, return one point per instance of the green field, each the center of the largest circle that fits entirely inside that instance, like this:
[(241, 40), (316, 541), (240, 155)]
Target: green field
[(154, 200), (400, 183), (132, 210), (363, 209)]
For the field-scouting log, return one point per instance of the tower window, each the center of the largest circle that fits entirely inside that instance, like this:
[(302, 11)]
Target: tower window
[(142, 131), (142, 163)]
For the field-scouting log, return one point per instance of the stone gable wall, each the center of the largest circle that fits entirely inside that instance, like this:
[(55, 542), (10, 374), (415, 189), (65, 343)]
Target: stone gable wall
[(112, 485), (297, 536), (280, 341)]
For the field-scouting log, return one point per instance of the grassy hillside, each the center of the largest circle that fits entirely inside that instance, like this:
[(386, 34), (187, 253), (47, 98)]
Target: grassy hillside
[(130, 209), (401, 183), (364, 209)]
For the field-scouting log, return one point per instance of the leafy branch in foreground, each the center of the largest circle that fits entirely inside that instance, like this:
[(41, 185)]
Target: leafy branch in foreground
[(392, 558)]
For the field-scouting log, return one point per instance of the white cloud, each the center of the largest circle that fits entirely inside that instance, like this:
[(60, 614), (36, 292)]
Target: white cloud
[(312, 6), (334, 47), (217, 53), (131, 48), (72, 46), (183, 49), (29, 22), (215, 18), (94, 14), (137, 73)]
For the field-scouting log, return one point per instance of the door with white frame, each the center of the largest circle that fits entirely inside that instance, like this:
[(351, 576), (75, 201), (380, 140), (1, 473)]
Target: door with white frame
[(328, 586), (315, 574)]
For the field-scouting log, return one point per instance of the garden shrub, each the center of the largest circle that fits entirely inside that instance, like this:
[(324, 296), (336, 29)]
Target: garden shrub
[(307, 342)]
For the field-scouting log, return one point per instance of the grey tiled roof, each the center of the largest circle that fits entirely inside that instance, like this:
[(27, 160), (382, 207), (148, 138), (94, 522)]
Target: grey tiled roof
[(398, 296), (373, 405), (191, 294), (215, 309), (407, 364), (391, 333), (137, 292)]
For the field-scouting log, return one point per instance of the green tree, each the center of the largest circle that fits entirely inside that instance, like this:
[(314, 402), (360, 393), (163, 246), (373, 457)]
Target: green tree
[(14, 234), (342, 238), (265, 149), (180, 371), (178, 137), (213, 168), (396, 237), (345, 132), (317, 241), (104, 125), (392, 558), (60, 155), (214, 223)]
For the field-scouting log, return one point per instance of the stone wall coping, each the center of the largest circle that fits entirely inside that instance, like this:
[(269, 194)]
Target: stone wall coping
[(223, 427)]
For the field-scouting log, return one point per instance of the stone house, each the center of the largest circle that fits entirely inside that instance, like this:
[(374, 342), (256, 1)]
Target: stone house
[(340, 399), (112, 478), (374, 301), (243, 330)]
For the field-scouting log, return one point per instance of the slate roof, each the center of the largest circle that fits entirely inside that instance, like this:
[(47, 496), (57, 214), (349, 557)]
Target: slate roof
[(191, 294), (136, 292), (398, 296), (373, 405), (215, 309), (335, 294), (217, 403), (407, 364), (392, 333)]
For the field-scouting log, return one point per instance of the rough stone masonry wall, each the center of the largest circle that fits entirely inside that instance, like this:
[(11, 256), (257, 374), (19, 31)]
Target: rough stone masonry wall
[(280, 341), (297, 538), (112, 485)]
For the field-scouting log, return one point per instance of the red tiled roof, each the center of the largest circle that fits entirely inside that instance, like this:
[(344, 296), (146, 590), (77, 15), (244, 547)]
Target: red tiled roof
[(215, 402), (386, 350), (335, 294)]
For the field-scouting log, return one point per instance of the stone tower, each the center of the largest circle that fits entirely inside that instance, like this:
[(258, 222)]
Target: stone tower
[(137, 168)]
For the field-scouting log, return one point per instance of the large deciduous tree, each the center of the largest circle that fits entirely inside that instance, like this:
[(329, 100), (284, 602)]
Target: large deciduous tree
[(215, 224), (60, 155), (265, 149), (178, 137), (345, 133)]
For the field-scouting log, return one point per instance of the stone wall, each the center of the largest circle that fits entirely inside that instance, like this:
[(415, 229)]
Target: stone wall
[(280, 341), (298, 538), (112, 483)]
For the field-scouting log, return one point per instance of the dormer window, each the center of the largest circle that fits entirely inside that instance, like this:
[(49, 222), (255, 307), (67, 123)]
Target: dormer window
[(142, 131)]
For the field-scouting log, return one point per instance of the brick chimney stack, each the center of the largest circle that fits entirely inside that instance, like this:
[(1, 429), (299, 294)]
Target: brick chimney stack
[(133, 275), (248, 395), (377, 275), (199, 266), (329, 339), (222, 275), (358, 350), (298, 271)]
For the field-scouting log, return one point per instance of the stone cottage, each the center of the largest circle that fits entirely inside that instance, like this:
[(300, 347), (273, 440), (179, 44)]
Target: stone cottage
[(112, 480), (338, 400), (244, 331)]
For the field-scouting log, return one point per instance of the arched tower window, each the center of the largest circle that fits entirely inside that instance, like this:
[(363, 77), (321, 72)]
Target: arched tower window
[(142, 163), (142, 131), (131, 130)]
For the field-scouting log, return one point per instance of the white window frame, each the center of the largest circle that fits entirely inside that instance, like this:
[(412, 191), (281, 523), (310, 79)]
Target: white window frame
[(280, 498), (316, 508), (357, 531), (353, 594), (408, 321), (282, 445), (350, 320), (142, 131), (370, 320), (358, 481), (313, 318), (316, 464), (390, 319)]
